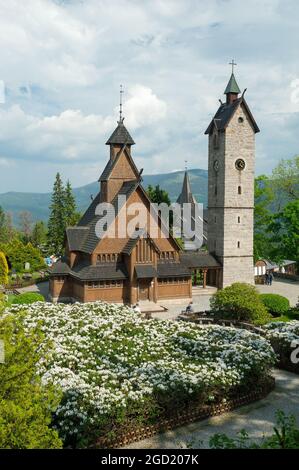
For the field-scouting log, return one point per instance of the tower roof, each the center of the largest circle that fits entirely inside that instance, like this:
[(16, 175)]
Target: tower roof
[(232, 86), (186, 194), (120, 135)]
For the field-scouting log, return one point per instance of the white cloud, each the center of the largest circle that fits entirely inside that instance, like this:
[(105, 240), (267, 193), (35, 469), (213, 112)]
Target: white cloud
[(72, 135), (143, 107), (62, 63)]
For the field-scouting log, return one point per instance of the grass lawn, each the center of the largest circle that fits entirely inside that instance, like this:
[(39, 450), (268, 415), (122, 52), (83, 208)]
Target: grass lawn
[(287, 317)]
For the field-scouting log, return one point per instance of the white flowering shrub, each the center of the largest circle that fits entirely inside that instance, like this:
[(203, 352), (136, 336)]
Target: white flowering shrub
[(283, 332), (116, 368)]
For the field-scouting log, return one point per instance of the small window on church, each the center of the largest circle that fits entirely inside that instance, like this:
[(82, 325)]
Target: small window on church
[(239, 219), (215, 190), (239, 190), (238, 244), (240, 120), (216, 141), (215, 220)]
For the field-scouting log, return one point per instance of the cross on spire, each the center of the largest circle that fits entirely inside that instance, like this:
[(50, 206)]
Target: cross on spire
[(121, 91), (232, 63)]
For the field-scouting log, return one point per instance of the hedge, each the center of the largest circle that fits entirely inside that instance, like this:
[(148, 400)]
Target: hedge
[(276, 304)]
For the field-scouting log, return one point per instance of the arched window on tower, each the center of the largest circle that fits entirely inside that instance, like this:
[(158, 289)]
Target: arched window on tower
[(239, 190)]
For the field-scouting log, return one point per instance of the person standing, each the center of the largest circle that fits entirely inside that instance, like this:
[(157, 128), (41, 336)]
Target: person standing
[(270, 279)]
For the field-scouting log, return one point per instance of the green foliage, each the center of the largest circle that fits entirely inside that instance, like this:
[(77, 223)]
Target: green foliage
[(264, 195), (3, 269), (241, 302), (39, 234), (25, 223), (19, 253), (285, 229), (285, 182), (62, 214), (71, 216), (157, 195), (26, 406), (6, 229), (276, 304), (276, 215), (285, 436), (27, 298), (56, 225)]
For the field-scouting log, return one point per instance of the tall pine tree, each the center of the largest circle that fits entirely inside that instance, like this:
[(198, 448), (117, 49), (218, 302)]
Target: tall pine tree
[(71, 217), (57, 219)]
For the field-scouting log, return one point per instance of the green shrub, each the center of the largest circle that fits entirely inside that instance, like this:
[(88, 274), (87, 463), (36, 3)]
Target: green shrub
[(285, 436), (27, 298), (276, 304), (240, 301), (3, 269)]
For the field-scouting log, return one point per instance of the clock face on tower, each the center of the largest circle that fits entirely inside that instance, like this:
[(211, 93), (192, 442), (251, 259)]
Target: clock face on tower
[(216, 165), (240, 164)]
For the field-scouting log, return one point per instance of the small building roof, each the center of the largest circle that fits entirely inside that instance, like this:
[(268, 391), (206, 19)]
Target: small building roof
[(232, 86), (199, 259), (145, 271), (120, 135), (172, 269), (98, 272)]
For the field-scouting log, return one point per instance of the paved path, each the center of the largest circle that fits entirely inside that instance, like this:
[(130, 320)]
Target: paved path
[(202, 302), (257, 418), (286, 288), (41, 288)]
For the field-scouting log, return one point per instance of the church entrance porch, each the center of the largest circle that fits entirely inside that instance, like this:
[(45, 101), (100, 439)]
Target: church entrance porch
[(144, 289)]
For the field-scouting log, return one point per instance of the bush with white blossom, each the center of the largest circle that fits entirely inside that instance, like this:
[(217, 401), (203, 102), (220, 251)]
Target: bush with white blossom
[(115, 367), (284, 338)]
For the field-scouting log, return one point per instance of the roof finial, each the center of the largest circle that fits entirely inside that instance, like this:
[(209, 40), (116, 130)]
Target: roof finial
[(121, 119), (186, 165), (233, 63)]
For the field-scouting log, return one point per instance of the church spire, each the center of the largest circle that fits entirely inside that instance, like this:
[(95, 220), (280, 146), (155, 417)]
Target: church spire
[(120, 135), (232, 89), (186, 194)]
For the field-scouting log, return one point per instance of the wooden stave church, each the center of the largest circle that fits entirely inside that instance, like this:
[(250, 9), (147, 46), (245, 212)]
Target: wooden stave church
[(124, 270)]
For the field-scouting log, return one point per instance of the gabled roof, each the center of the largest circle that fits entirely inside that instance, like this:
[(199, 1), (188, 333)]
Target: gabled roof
[(120, 135), (60, 267), (225, 113), (112, 162), (232, 86), (186, 195), (92, 239), (75, 237)]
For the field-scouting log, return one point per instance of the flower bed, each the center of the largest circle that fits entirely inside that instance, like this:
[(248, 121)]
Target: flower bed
[(119, 372), (284, 338)]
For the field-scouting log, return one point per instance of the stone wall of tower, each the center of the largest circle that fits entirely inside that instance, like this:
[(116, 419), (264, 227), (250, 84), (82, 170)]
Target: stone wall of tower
[(230, 229)]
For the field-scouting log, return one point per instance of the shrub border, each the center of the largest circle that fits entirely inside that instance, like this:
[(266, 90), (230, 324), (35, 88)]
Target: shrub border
[(198, 413)]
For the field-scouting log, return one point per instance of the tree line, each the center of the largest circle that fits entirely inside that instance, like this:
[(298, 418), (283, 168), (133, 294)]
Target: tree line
[(31, 242)]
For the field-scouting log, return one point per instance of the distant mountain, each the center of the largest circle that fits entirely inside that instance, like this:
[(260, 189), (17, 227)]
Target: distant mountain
[(38, 203)]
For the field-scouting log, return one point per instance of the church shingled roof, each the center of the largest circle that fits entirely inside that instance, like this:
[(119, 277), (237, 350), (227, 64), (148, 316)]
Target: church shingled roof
[(225, 112), (120, 135), (232, 86), (186, 193)]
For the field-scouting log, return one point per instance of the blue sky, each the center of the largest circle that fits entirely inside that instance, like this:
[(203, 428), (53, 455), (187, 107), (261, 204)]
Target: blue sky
[(62, 63)]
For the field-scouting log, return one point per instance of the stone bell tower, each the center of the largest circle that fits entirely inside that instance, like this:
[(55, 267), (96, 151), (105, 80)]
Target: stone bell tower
[(231, 186)]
